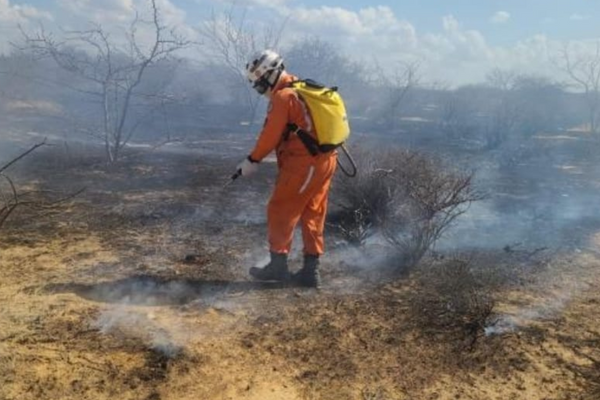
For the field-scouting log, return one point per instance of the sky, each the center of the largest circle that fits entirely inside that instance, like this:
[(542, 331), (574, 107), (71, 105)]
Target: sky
[(454, 41)]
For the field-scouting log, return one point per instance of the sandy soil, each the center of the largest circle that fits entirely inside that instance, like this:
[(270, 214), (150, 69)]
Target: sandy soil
[(98, 301)]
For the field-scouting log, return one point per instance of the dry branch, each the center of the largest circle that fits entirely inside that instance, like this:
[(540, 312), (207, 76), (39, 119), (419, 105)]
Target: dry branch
[(10, 202), (23, 155)]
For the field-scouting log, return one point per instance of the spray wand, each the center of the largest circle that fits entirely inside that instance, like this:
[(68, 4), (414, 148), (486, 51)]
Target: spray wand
[(233, 177)]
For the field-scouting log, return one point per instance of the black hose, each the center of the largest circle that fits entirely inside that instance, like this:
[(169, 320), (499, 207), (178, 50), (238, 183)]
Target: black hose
[(352, 163)]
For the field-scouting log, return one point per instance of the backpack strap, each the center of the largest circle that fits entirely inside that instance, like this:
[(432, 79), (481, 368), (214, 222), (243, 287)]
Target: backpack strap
[(314, 148), (309, 142)]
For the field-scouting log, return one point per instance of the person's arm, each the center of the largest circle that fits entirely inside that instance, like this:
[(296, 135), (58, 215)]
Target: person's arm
[(274, 126)]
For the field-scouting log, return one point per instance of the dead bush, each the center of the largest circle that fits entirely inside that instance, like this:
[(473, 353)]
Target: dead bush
[(431, 197), (453, 300), (411, 198), (363, 202)]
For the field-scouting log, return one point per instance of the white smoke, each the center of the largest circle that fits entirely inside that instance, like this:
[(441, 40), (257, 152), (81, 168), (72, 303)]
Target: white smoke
[(124, 322), (556, 288)]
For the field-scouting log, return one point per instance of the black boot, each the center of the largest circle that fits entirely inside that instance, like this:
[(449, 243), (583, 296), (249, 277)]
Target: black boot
[(276, 270), (308, 276)]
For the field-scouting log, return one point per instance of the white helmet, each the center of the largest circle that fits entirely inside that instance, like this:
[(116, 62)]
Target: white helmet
[(264, 70)]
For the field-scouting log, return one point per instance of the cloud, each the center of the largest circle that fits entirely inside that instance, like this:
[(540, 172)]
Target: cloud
[(15, 13), (119, 12), (373, 28), (100, 11), (456, 53), (376, 33), (173, 16), (466, 45), (115, 16), (579, 17), (501, 17), (255, 3)]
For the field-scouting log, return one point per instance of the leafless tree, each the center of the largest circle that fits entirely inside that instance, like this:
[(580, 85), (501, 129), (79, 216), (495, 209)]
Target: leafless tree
[(503, 120), (504, 112), (584, 71), (508, 109), (396, 85), (456, 115), (113, 74), (502, 79), (483, 115), (232, 40), (315, 58)]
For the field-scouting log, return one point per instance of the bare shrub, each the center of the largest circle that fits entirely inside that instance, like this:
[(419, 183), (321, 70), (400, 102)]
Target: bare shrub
[(431, 197), (410, 197), (365, 201), (454, 300), (397, 85)]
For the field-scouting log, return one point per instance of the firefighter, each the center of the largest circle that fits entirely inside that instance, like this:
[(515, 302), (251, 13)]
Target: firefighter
[(303, 181)]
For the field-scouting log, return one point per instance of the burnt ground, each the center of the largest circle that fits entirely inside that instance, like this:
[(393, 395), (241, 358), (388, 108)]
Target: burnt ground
[(138, 289)]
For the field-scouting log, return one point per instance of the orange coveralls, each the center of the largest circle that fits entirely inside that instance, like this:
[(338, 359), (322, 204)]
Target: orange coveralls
[(303, 180)]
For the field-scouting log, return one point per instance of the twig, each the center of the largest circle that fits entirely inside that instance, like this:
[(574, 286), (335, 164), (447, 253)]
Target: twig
[(33, 148)]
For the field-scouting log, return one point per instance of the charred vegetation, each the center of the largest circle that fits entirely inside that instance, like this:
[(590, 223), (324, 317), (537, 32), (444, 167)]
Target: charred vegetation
[(462, 260)]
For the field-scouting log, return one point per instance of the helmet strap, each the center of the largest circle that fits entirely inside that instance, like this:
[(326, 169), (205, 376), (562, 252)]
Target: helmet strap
[(276, 74)]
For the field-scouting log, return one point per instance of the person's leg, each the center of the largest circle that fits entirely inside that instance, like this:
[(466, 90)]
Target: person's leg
[(313, 218), (313, 225), (284, 210)]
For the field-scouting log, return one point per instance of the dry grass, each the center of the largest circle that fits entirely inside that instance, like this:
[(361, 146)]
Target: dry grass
[(61, 278)]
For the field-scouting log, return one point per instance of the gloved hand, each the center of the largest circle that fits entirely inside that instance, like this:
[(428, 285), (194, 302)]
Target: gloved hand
[(247, 167)]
